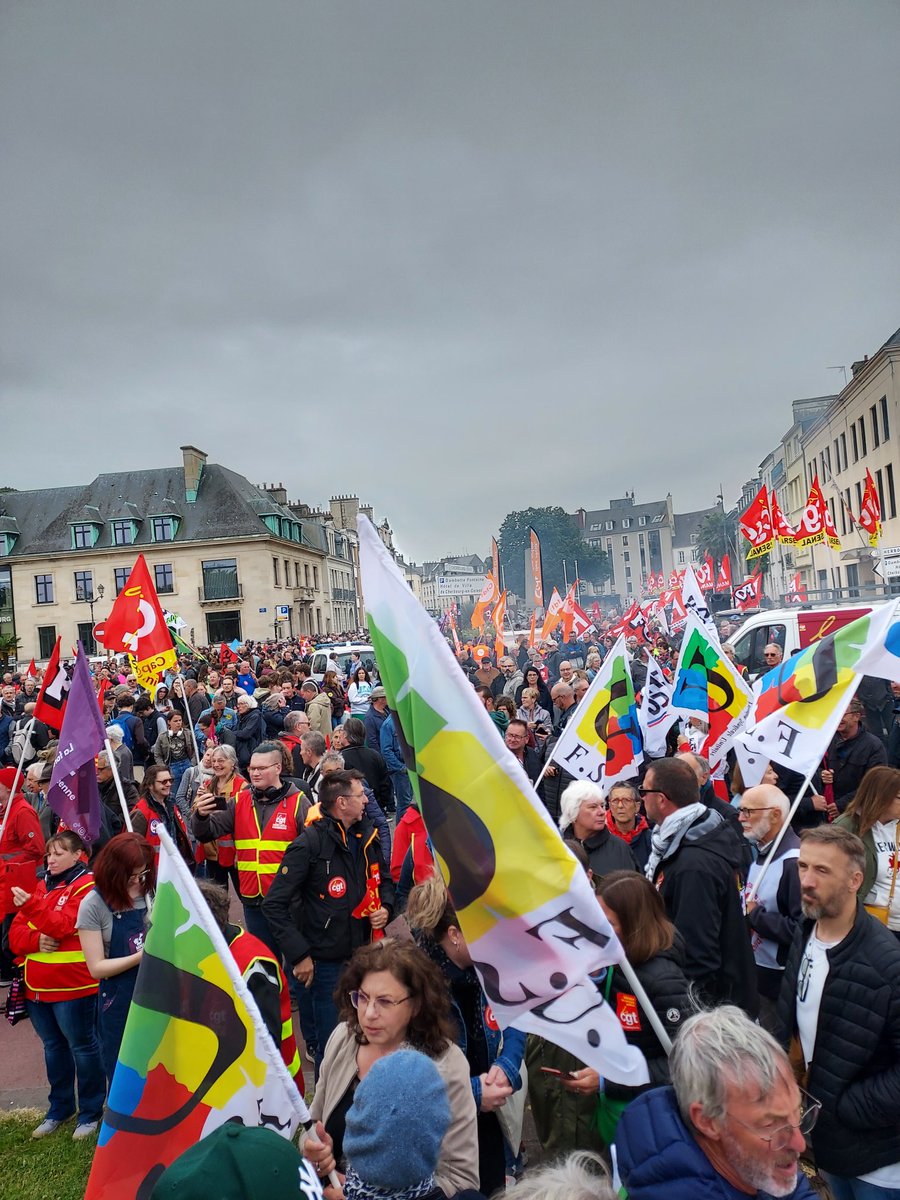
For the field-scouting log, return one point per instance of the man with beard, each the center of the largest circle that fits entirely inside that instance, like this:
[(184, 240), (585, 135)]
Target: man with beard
[(731, 1125), (841, 997), (774, 914)]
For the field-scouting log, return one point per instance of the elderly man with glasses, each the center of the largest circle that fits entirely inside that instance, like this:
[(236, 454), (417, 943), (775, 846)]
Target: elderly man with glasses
[(773, 913), (732, 1125)]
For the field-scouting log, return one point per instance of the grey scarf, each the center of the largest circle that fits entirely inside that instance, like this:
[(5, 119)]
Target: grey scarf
[(666, 837)]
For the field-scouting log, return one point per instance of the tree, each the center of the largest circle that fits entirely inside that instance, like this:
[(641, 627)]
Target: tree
[(561, 541), (718, 536), (9, 647)]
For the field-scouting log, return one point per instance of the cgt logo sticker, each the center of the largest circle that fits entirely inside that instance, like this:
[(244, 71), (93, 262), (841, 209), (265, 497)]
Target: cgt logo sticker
[(337, 887)]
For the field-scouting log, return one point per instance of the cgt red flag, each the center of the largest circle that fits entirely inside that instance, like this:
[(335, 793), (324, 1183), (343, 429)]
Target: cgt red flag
[(50, 706), (136, 626), (756, 525)]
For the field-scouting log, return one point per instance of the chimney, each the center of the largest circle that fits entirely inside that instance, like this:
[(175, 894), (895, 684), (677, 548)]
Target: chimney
[(278, 492), (194, 462)]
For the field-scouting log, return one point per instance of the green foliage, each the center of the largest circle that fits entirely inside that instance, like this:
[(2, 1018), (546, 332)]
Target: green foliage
[(54, 1168), (718, 536), (560, 539), (9, 646)]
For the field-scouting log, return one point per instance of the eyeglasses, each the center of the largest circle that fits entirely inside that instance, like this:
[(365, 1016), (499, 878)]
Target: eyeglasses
[(748, 812), (780, 1137), (645, 791), (381, 1004), (622, 800)]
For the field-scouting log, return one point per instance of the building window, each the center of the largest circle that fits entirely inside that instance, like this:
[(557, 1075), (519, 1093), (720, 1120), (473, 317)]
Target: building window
[(122, 533), (296, 574), (859, 497), (46, 640), (844, 449), (306, 574), (879, 483), (82, 537), (120, 578), (316, 578), (220, 581), (885, 423), (223, 627), (162, 529), (86, 637), (890, 510), (626, 556), (837, 456), (680, 557), (873, 413), (164, 578), (610, 524), (43, 588), (625, 540), (84, 585), (642, 520), (626, 522), (863, 448), (276, 570), (854, 443), (287, 573)]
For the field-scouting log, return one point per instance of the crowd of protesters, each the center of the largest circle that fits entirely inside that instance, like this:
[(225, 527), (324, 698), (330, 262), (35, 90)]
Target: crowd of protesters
[(293, 794)]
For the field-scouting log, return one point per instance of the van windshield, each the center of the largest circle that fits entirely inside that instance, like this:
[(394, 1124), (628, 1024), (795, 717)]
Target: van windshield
[(750, 649)]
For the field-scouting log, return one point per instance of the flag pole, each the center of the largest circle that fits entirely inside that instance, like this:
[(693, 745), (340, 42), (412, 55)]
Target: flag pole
[(581, 704), (644, 1000), (781, 832), (114, 767), (187, 710), (18, 775)]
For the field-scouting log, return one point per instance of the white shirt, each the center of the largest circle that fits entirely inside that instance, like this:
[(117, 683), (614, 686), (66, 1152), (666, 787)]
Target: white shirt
[(810, 985), (885, 837)]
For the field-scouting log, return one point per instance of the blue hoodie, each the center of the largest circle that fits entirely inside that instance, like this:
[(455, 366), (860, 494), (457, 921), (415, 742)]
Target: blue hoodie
[(657, 1156)]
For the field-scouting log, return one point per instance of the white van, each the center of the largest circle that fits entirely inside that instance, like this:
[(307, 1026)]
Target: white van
[(342, 655), (791, 628)]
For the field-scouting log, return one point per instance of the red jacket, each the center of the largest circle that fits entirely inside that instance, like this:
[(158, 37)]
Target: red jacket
[(411, 832), (60, 974), (21, 852)]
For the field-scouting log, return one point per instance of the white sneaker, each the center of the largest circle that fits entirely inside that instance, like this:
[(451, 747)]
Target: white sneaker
[(45, 1127), (84, 1130)]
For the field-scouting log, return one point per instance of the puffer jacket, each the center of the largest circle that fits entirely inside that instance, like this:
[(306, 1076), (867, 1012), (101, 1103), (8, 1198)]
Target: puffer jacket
[(606, 852), (657, 1156), (855, 1068)]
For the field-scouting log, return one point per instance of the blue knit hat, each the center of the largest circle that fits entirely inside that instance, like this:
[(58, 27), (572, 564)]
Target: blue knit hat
[(397, 1121)]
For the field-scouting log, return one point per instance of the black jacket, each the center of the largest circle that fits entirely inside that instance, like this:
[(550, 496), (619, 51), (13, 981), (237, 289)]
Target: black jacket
[(321, 880), (553, 786), (606, 852), (249, 734), (663, 979), (372, 765), (855, 1069), (699, 886), (850, 760)]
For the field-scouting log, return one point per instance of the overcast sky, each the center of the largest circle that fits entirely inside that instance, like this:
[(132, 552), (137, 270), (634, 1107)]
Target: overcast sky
[(458, 258)]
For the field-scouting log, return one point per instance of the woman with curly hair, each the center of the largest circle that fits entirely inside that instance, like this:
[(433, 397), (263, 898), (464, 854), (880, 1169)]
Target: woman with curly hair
[(391, 995), (874, 816)]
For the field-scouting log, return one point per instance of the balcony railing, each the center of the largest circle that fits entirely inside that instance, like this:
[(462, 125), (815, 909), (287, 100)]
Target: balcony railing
[(220, 591)]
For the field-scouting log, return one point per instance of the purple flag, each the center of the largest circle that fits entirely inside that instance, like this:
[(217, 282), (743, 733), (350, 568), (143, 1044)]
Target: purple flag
[(73, 794)]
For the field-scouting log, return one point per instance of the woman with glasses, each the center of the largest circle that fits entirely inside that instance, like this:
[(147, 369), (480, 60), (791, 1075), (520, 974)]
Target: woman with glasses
[(391, 996), (111, 928), (494, 1056), (223, 782), (532, 679), (625, 820)]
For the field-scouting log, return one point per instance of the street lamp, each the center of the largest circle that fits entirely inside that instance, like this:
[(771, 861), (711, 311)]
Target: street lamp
[(90, 598)]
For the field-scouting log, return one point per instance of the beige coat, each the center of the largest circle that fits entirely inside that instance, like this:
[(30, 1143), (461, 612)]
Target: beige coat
[(319, 712), (458, 1163)]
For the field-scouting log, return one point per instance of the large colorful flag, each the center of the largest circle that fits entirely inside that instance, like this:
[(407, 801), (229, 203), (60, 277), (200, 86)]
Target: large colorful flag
[(533, 926), (195, 1052), (694, 601), (73, 793), (870, 513), (489, 593), (655, 714), (553, 615), (602, 741), (537, 570), (749, 593), (780, 524), (136, 626), (797, 706), (812, 526), (706, 684), (723, 579), (756, 525), (50, 706)]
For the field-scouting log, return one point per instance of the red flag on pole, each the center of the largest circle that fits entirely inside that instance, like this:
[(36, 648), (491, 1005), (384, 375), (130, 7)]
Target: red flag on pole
[(136, 626), (32, 669), (870, 513), (756, 525), (723, 579), (50, 706), (748, 594)]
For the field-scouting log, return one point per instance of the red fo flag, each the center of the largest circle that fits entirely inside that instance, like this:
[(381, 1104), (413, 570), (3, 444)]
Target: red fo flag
[(50, 706), (797, 594), (748, 594), (756, 525), (136, 626), (705, 573)]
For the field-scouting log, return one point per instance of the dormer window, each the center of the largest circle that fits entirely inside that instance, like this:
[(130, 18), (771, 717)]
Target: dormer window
[(162, 529), (84, 536), (610, 524), (642, 520), (122, 532)]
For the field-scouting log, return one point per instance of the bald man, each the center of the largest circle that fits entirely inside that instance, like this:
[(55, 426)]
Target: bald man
[(774, 914)]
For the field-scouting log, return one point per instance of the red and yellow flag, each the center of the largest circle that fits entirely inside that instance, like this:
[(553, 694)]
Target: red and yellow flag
[(870, 513), (756, 525), (568, 612), (136, 626), (780, 525)]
